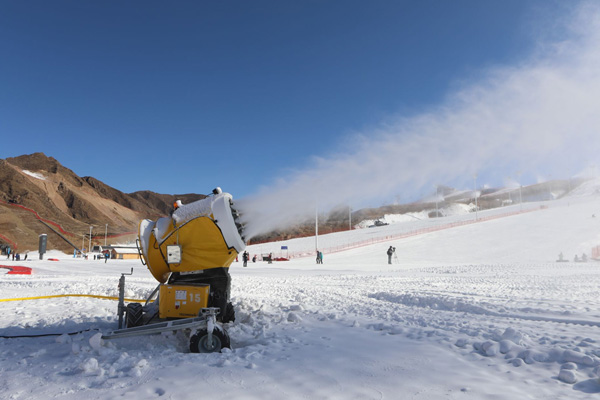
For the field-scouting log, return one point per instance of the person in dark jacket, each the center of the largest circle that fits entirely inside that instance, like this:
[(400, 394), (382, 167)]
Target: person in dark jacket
[(390, 253), (245, 258)]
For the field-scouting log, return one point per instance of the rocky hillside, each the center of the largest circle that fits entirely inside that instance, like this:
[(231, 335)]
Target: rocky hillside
[(35, 188)]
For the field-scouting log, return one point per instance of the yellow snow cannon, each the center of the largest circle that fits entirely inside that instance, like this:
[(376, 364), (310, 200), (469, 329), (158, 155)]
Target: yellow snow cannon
[(189, 253), (199, 236)]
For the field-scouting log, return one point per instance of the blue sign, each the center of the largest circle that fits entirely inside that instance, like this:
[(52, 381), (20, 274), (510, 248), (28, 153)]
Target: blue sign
[(283, 247)]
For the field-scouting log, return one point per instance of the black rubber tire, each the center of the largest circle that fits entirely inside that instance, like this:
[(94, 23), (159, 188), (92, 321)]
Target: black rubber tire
[(199, 341), (229, 315), (134, 315)]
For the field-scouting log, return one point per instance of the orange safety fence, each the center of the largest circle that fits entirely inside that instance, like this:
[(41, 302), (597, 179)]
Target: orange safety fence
[(13, 244), (37, 216)]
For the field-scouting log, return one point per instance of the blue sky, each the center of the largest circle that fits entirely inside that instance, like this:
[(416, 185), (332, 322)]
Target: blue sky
[(179, 97)]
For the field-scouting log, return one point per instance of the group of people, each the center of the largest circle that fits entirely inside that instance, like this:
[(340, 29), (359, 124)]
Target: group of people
[(246, 257), (105, 255), (561, 258), (15, 257), (319, 257), (391, 251)]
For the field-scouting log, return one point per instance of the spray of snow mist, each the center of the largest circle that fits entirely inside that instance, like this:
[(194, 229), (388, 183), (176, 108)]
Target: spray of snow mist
[(542, 113)]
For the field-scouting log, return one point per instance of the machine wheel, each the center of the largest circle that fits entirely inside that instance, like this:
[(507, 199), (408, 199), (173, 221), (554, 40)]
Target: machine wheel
[(229, 314), (199, 341), (134, 315)]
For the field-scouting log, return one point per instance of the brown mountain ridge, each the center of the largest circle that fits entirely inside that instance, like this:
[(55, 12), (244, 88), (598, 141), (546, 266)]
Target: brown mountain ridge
[(35, 186)]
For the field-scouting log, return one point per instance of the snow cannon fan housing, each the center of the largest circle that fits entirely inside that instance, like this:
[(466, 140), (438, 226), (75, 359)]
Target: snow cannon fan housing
[(200, 236)]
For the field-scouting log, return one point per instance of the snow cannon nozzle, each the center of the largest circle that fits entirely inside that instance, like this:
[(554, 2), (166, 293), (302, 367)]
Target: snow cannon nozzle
[(236, 219)]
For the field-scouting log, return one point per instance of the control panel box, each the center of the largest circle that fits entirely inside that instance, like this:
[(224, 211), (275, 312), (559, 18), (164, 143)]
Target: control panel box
[(182, 301)]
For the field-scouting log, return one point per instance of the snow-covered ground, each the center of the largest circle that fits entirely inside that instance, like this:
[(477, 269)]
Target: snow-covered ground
[(476, 311)]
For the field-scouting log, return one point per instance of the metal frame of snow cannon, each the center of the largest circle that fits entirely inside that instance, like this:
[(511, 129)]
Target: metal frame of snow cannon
[(189, 254), (206, 334), (121, 307)]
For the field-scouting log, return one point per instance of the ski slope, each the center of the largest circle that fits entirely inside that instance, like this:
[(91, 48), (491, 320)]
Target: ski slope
[(477, 311)]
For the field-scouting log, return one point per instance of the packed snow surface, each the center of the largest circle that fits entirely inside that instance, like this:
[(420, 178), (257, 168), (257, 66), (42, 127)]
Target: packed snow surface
[(473, 311)]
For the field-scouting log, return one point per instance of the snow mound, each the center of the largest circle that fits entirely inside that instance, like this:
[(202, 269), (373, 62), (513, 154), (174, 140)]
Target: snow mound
[(447, 211), (36, 175), (586, 189)]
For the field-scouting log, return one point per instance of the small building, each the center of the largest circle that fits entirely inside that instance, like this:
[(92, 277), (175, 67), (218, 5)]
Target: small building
[(124, 253)]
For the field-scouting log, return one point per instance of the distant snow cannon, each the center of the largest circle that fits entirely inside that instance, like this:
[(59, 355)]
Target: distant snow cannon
[(189, 253)]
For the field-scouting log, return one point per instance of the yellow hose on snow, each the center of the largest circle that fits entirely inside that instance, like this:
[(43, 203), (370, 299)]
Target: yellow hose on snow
[(72, 295)]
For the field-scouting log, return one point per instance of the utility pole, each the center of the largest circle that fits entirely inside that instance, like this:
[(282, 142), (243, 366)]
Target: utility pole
[(317, 228), (520, 191), (521, 195), (436, 201), (105, 233), (475, 191), (349, 218), (90, 241)]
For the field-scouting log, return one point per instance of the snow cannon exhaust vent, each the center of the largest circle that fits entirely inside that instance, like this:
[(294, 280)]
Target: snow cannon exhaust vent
[(236, 218)]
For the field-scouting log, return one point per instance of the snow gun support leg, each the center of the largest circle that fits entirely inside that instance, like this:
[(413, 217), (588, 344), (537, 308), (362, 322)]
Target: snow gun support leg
[(121, 307)]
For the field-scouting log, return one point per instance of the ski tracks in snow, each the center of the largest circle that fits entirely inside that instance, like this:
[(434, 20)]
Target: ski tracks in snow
[(504, 316)]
